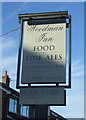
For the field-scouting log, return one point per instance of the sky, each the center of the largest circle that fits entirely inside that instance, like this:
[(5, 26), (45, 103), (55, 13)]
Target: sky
[(75, 96)]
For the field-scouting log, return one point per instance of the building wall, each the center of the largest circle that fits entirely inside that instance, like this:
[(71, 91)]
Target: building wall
[(5, 104), (0, 104)]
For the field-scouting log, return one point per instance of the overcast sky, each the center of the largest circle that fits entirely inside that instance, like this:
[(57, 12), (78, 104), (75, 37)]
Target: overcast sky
[(75, 96)]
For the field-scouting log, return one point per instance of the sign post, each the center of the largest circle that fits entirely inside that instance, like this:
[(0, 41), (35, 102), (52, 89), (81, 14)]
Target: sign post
[(42, 60)]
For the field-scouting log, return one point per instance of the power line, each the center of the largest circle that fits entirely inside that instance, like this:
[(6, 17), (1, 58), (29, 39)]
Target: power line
[(10, 32), (13, 80)]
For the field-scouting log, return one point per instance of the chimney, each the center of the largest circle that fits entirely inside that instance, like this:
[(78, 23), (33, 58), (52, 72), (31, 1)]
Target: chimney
[(6, 79)]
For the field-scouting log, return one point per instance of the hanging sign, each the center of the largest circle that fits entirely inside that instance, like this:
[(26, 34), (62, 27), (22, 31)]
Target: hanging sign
[(44, 53), (43, 96)]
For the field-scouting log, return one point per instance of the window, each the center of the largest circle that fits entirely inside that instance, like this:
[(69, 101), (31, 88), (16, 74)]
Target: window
[(13, 105), (24, 110)]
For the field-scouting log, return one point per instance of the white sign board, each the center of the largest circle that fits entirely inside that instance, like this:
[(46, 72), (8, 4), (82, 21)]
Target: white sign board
[(44, 53), (42, 95)]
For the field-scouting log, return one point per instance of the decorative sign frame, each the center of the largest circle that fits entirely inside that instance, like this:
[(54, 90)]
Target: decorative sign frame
[(59, 19)]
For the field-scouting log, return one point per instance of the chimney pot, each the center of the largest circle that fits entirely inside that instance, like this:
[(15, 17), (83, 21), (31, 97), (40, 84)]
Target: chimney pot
[(5, 79), (5, 73)]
